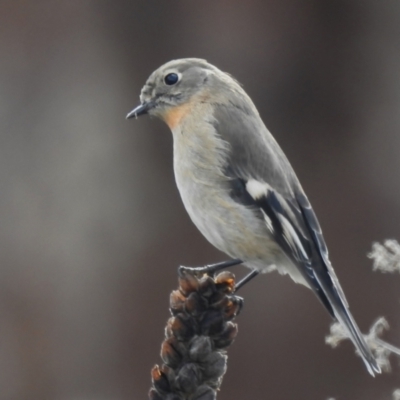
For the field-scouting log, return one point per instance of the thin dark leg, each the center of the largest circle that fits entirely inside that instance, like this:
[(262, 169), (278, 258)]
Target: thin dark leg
[(246, 279), (210, 269)]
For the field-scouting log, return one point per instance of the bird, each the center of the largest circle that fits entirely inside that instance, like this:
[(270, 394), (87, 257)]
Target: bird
[(238, 186)]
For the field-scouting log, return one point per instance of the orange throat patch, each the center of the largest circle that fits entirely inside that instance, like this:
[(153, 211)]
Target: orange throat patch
[(175, 115)]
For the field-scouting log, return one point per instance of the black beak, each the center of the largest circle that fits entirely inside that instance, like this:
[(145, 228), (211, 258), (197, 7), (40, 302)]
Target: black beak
[(142, 109)]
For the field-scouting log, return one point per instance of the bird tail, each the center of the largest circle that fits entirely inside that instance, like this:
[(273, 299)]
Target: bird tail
[(343, 316), (327, 287)]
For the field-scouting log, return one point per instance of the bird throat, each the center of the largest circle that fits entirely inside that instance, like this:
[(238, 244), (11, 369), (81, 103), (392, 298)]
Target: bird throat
[(174, 116)]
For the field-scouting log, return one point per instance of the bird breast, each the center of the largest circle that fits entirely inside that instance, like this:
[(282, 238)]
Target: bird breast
[(199, 159)]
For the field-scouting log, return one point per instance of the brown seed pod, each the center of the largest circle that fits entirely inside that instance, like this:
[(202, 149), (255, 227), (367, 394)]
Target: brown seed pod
[(196, 337), (226, 282), (188, 283)]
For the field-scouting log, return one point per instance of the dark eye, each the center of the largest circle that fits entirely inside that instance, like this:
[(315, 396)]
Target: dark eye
[(171, 79)]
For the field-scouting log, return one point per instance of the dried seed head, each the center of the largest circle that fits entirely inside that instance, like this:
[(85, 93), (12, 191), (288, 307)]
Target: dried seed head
[(233, 307), (154, 395), (189, 378), (160, 380), (188, 283), (205, 393), (196, 335), (195, 304), (225, 281), (207, 286), (181, 326), (215, 367), (212, 323), (170, 353), (176, 301), (200, 348), (227, 337)]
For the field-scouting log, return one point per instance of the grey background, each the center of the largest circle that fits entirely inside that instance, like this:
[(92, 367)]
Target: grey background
[(92, 228)]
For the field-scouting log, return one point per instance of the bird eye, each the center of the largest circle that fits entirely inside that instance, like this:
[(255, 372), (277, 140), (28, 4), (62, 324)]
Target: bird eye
[(171, 79)]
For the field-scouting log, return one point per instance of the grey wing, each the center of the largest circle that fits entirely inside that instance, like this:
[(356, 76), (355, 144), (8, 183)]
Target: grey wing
[(262, 177), (285, 221)]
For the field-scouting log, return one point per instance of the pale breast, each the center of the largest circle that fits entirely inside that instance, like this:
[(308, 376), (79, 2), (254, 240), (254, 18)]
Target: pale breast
[(199, 158)]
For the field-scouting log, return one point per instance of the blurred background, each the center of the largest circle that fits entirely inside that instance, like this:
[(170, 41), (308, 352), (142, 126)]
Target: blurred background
[(92, 226)]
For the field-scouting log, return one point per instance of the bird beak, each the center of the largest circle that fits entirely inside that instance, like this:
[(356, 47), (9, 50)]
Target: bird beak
[(141, 109)]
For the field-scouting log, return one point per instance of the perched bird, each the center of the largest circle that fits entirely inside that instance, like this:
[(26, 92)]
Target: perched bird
[(237, 184)]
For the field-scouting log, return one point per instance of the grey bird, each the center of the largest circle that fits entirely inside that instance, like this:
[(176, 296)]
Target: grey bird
[(238, 186)]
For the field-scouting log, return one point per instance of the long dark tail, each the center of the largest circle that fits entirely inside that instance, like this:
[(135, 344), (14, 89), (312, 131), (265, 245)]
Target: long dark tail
[(343, 316), (327, 287)]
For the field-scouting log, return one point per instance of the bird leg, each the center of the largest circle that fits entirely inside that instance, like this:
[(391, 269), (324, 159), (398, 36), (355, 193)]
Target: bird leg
[(210, 269), (246, 279)]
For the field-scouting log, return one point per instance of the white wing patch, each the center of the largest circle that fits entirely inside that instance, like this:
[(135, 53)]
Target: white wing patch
[(257, 189), (268, 221)]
